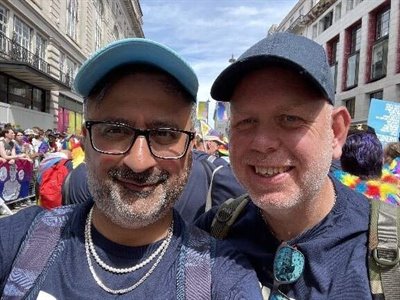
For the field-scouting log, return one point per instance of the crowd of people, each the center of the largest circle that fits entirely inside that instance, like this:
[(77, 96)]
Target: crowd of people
[(285, 225), (30, 144)]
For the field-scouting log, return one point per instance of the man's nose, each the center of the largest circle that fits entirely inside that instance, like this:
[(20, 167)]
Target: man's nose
[(139, 157), (265, 140)]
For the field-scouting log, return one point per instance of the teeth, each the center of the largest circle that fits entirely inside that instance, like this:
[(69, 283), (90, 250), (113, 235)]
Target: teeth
[(271, 171)]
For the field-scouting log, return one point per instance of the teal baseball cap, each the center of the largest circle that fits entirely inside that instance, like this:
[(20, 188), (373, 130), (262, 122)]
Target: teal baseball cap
[(131, 51)]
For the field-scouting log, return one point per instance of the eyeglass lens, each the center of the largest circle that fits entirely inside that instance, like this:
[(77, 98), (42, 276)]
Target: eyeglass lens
[(118, 138), (288, 267)]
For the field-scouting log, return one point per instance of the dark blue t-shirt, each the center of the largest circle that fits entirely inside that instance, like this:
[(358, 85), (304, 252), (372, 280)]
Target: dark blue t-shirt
[(335, 250), (70, 278), (191, 203)]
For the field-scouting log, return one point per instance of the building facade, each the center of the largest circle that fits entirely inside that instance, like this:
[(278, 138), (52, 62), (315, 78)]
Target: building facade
[(362, 41), (42, 45)]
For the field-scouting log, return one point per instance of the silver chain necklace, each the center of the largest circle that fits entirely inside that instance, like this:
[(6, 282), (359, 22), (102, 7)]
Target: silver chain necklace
[(89, 243)]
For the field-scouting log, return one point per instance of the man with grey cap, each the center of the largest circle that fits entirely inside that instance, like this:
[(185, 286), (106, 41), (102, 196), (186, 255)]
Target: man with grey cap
[(127, 242), (303, 231)]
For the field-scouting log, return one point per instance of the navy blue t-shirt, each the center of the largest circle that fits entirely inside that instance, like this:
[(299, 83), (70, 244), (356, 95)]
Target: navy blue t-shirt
[(191, 203), (335, 250), (70, 278)]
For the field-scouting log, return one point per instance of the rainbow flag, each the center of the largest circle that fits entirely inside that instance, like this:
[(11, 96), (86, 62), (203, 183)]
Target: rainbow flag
[(202, 110)]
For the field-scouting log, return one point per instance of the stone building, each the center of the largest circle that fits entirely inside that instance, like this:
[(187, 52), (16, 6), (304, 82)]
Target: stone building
[(362, 41), (42, 45)]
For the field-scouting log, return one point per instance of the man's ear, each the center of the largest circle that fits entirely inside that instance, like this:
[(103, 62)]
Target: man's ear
[(341, 120)]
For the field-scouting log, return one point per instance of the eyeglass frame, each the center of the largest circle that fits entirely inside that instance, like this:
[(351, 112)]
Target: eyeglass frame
[(277, 283), (139, 132)]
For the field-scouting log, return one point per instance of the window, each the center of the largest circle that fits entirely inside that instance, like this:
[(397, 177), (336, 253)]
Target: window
[(22, 33), (353, 59), (20, 93), (98, 28), (350, 5), (376, 95), (380, 46), (38, 99), (3, 28), (379, 60), (338, 12), (72, 18), (314, 31), (68, 69), (332, 48), (116, 32), (3, 88), (326, 21), (350, 105), (382, 24), (40, 52)]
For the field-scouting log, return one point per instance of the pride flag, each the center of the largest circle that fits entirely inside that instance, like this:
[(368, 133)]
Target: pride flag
[(202, 110), (221, 112)]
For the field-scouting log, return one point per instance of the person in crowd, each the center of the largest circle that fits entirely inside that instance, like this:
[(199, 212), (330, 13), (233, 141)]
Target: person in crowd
[(8, 147), (22, 146), (139, 107), (392, 158), (212, 143), (362, 168), (304, 232)]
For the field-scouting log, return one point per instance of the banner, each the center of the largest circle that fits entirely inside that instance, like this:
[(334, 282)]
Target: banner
[(15, 180), (221, 112), (384, 117), (205, 129), (202, 111)]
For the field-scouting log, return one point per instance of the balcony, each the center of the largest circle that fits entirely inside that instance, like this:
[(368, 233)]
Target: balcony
[(297, 24), (317, 10), (20, 63)]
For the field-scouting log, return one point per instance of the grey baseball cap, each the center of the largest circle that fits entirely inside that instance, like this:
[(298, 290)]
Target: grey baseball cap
[(293, 51)]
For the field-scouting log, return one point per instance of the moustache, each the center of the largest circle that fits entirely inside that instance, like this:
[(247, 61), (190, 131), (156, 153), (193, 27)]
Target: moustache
[(147, 177)]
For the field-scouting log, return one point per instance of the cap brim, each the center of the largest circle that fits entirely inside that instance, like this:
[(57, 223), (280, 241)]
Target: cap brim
[(223, 87), (131, 51)]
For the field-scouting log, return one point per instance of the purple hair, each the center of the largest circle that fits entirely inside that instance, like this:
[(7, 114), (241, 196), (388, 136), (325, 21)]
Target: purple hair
[(362, 155)]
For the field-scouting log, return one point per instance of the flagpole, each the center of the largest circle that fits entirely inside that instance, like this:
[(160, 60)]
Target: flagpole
[(208, 112)]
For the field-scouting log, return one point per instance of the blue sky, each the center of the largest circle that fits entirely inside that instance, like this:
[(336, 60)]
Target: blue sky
[(207, 32)]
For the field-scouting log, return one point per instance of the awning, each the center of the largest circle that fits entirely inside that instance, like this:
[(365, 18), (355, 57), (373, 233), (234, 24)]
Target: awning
[(31, 75)]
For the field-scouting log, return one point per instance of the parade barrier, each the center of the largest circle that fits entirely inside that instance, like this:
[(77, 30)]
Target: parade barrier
[(16, 181)]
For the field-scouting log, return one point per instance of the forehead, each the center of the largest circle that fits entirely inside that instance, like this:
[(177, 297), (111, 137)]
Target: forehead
[(275, 86), (141, 98)]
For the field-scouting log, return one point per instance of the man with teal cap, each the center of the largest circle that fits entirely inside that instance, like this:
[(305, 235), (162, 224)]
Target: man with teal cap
[(127, 241)]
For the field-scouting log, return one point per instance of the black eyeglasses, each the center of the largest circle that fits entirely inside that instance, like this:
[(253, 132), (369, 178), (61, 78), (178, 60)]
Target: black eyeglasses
[(116, 138), (288, 268)]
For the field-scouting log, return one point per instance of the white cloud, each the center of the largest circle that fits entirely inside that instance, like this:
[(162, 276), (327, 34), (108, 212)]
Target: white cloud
[(207, 32)]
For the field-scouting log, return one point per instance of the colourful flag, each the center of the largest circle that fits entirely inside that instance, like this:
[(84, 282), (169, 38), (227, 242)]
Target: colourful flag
[(205, 129), (202, 110), (221, 113)]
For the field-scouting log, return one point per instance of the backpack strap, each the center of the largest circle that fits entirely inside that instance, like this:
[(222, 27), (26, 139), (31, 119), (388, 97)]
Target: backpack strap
[(209, 192), (226, 215), (195, 264), (65, 190), (384, 242), (37, 253)]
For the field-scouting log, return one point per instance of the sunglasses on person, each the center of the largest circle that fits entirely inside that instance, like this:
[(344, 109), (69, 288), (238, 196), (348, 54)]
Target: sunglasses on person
[(288, 268)]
